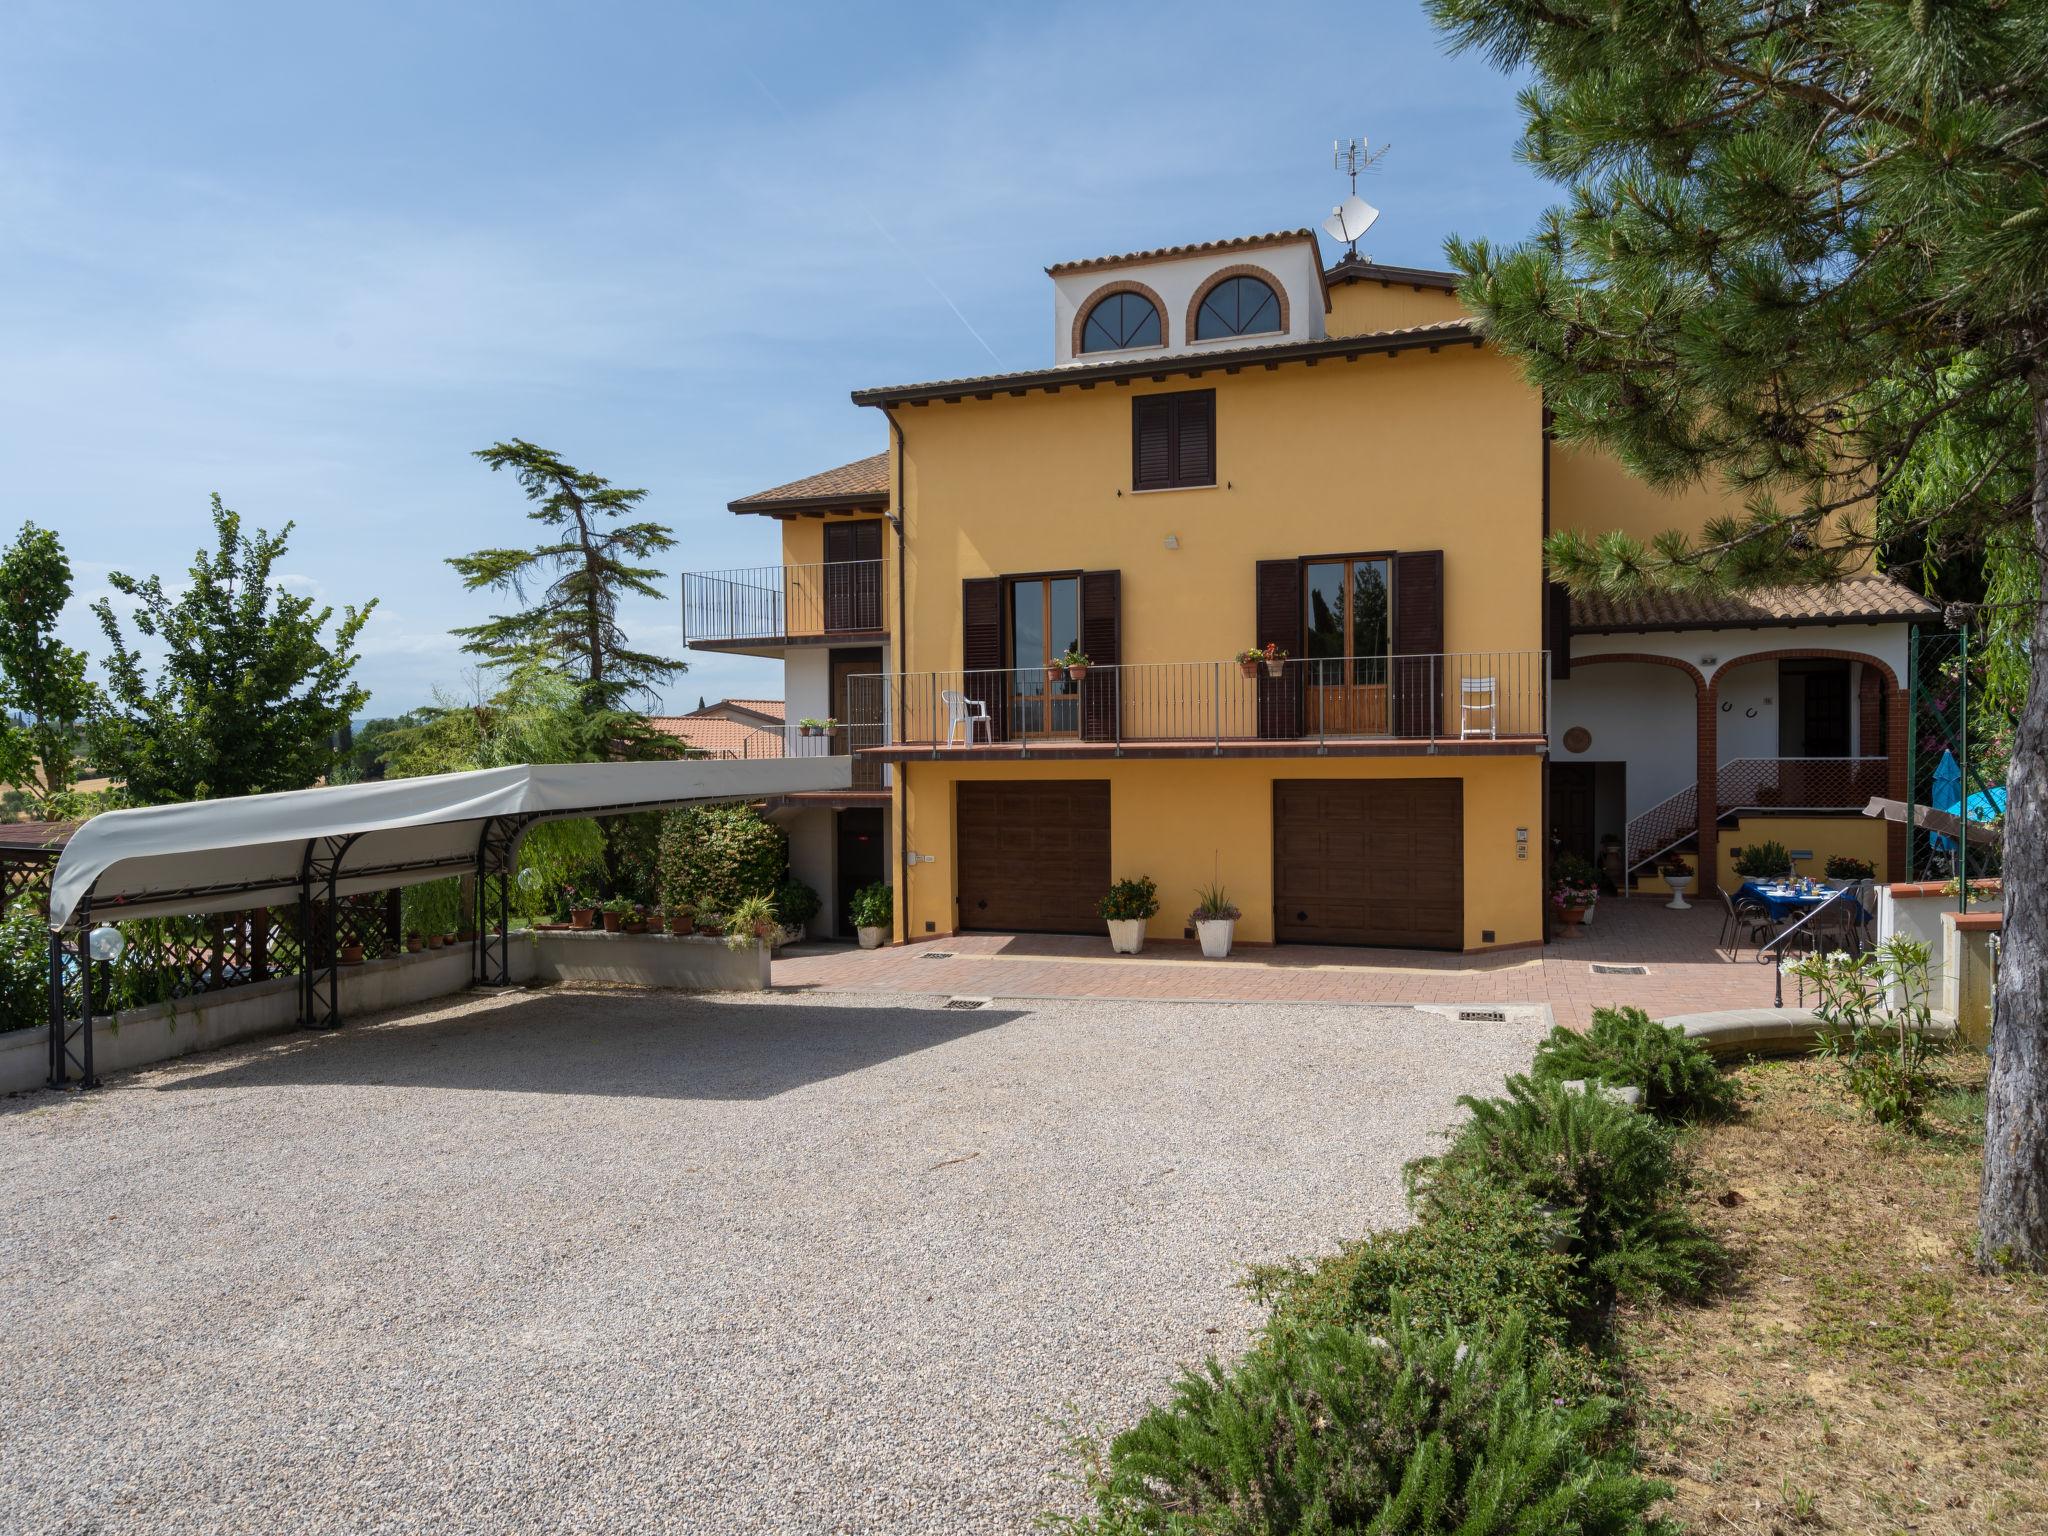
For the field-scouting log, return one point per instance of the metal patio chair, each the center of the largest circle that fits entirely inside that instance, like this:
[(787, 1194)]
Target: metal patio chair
[(1478, 696), (1745, 914)]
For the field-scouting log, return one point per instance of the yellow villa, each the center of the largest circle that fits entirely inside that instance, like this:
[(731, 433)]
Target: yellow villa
[(1028, 618)]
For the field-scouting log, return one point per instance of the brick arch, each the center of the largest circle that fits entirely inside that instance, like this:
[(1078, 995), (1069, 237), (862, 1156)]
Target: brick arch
[(1110, 290), (1223, 274), (1699, 678), (1809, 653)]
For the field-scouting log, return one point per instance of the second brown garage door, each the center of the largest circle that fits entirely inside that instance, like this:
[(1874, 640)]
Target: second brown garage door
[(1369, 861), (1034, 854)]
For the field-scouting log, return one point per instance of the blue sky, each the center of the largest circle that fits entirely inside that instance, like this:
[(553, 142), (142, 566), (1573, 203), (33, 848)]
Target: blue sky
[(310, 257)]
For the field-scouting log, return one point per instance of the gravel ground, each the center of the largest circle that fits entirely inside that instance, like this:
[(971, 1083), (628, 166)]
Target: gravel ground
[(579, 1260)]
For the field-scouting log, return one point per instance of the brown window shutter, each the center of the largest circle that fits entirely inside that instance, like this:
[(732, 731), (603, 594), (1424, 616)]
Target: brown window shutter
[(1557, 627), (1102, 642), (1152, 429), (1194, 437), (1418, 642), (983, 676), (1277, 621)]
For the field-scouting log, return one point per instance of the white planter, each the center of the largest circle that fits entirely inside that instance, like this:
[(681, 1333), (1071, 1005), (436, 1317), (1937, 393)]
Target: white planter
[(1126, 934), (872, 938), (1679, 884), (1215, 935)]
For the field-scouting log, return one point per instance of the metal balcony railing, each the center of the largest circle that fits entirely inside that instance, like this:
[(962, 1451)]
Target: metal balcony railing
[(777, 602), (1473, 695), (838, 741), (1755, 784)]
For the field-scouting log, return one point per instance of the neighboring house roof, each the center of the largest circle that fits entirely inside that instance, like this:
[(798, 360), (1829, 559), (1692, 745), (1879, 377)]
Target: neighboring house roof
[(1855, 600), (1439, 333), (1175, 252), (772, 708), (27, 837), (1360, 269), (719, 736), (863, 483)]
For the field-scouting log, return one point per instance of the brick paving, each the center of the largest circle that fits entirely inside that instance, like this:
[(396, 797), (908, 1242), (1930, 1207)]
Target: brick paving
[(1685, 972)]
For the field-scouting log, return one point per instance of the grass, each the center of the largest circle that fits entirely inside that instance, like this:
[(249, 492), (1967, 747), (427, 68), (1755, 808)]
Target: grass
[(1855, 1373)]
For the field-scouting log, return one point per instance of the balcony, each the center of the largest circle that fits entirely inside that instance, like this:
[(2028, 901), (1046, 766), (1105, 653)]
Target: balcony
[(869, 773), (765, 608), (1475, 702)]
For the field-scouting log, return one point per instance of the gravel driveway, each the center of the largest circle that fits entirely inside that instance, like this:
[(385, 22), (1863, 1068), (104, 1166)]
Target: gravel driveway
[(578, 1260)]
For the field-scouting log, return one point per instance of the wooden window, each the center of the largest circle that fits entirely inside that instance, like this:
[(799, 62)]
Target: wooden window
[(1173, 440)]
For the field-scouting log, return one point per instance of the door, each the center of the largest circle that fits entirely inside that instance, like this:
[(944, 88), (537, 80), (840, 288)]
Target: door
[(858, 835), (858, 711), (1574, 816), (853, 576), (1045, 624), (1033, 854), (1369, 861), (1346, 616)]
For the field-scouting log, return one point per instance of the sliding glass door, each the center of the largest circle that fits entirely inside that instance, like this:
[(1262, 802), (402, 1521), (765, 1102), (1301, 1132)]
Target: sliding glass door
[(1347, 616)]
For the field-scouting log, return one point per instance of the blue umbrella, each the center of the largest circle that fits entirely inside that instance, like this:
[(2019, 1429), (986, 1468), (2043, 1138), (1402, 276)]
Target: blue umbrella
[(1948, 794)]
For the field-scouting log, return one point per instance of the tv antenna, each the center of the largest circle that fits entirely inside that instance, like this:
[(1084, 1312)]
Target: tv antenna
[(1354, 216)]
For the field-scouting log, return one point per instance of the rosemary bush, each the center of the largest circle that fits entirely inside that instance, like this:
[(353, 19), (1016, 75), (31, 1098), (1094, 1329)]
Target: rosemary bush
[(1625, 1047)]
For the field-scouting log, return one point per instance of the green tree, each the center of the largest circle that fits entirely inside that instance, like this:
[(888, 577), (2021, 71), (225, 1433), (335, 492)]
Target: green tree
[(45, 695), (248, 696), (571, 584), (1800, 239)]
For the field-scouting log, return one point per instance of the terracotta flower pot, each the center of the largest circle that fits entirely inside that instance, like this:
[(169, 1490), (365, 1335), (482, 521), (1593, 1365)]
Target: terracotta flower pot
[(1571, 915), (351, 954), (414, 943), (634, 925), (614, 921), (1077, 673), (1248, 668), (433, 941), (582, 917), (682, 926)]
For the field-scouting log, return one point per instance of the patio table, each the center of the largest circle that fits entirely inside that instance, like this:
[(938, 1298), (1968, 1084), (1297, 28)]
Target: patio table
[(1785, 902)]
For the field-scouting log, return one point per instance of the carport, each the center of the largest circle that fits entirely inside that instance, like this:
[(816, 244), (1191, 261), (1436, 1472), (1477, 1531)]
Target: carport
[(318, 845)]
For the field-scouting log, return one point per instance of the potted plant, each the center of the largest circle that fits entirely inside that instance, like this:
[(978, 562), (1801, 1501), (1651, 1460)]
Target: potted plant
[(682, 920), (753, 922), (1574, 889), (1214, 920), (433, 941), (1766, 860), (448, 940), (1076, 663), (581, 913), (1846, 866), (413, 941), (635, 920), (1677, 875), (351, 954), (810, 726), (795, 905), (1126, 907), (1249, 660), (873, 908), (615, 913)]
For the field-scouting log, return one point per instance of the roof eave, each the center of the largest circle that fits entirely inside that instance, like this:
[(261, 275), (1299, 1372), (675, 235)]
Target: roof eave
[(866, 501)]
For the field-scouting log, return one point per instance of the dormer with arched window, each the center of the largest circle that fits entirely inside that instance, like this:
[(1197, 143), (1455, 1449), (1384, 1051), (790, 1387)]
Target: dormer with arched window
[(1190, 298)]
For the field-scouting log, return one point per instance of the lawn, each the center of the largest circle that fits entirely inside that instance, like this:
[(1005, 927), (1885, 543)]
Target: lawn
[(1856, 1372)]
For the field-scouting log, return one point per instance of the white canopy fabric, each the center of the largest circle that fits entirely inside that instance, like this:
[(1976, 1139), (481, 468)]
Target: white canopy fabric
[(225, 855)]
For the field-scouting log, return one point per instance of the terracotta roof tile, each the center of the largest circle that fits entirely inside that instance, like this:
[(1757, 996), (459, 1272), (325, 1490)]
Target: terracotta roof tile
[(1857, 599), (719, 737), (864, 480), (758, 706), (1170, 252)]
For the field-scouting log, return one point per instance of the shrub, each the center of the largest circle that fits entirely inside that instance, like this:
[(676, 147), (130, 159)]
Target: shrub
[(750, 922), (1844, 866), (1613, 1172), (1878, 1026), (717, 856), (1130, 900), (795, 902), (1340, 1429), (1485, 1253), (1627, 1048), (873, 906), (24, 969), (1763, 860)]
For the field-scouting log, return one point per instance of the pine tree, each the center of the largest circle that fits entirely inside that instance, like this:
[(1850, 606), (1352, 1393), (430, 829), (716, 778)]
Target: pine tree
[(42, 680), (1802, 236), (248, 698), (580, 575)]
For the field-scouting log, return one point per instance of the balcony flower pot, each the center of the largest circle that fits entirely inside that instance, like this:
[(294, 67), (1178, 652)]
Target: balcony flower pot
[(871, 937), (1126, 935), (614, 921), (1078, 671), (811, 730), (582, 917), (1215, 934), (1248, 668), (1055, 672), (1274, 666)]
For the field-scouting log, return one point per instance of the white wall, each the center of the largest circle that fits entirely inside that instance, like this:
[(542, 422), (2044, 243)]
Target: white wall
[(1297, 268), (1749, 711), (813, 855), (1638, 713), (806, 682)]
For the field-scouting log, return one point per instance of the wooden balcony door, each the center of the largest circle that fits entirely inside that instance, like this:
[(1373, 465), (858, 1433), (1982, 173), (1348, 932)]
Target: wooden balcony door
[(1347, 614), (853, 576), (1045, 623), (858, 711)]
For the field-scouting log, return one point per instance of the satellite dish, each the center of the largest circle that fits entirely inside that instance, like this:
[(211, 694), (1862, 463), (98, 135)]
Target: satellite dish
[(1350, 219)]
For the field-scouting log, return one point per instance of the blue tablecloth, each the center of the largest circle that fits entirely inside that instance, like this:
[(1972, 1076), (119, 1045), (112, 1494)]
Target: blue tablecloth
[(1784, 902)]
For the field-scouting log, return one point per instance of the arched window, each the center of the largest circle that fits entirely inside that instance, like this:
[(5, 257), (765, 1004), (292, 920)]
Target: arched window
[(1238, 306), (1122, 320)]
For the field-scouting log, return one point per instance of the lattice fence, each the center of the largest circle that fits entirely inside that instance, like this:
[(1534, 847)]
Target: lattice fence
[(1950, 764)]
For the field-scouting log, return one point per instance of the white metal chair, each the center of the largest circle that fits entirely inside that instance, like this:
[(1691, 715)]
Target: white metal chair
[(1478, 696), (963, 711)]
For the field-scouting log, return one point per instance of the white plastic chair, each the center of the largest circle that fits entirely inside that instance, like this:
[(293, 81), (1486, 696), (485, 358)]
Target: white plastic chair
[(1477, 696), (963, 711)]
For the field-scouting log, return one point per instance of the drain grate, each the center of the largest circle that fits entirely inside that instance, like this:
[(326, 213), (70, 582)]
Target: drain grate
[(965, 1002), (1619, 970), (936, 954), (1482, 1016)]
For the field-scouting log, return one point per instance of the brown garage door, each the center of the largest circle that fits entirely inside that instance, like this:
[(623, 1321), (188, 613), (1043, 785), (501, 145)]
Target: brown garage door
[(1034, 854), (1369, 861)]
